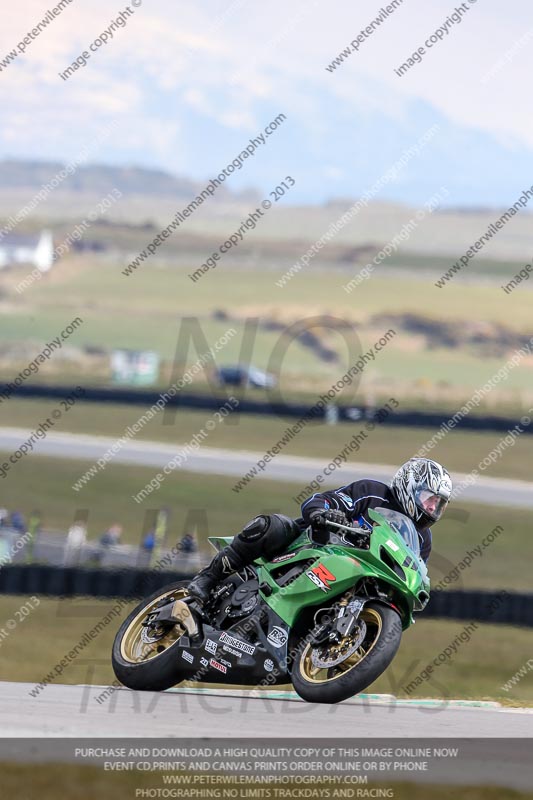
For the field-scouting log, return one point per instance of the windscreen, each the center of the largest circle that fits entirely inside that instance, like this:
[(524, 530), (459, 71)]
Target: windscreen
[(404, 527)]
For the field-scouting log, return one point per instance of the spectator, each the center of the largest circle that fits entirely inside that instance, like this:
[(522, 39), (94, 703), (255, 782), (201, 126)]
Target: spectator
[(148, 542), (4, 514), (112, 536), (35, 523), (76, 539), (188, 544), (17, 522)]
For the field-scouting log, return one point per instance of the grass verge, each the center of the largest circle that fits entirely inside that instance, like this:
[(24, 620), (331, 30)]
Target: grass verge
[(48, 782), (458, 450)]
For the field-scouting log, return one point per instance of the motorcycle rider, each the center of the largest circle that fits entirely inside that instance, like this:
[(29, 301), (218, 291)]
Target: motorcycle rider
[(420, 489)]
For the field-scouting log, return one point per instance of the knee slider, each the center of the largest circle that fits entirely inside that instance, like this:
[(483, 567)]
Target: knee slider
[(265, 536), (256, 528), (281, 533)]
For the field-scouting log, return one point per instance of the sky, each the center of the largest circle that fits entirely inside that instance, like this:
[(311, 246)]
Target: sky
[(187, 85)]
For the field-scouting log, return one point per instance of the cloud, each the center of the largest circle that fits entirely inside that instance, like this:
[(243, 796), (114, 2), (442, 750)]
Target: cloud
[(175, 76)]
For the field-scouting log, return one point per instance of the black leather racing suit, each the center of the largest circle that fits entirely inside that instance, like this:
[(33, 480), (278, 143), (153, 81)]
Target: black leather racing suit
[(355, 500)]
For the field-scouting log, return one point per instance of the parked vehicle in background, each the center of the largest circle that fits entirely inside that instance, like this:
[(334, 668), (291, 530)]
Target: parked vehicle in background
[(245, 376)]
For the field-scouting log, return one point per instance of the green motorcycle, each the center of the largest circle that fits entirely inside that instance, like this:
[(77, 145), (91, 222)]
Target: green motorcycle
[(327, 619)]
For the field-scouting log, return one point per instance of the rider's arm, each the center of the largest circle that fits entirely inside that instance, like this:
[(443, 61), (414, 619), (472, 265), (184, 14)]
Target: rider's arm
[(353, 499), (323, 501)]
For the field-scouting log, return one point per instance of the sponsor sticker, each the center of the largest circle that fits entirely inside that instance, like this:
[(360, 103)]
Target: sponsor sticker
[(233, 642), (321, 577), (269, 665), (283, 558), (217, 665), (227, 649), (277, 636), (226, 663), (187, 656), (211, 646), (204, 662)]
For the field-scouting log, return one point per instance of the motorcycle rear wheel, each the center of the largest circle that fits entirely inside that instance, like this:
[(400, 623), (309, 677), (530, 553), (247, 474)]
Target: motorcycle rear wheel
[(148, 665), (362, 667)]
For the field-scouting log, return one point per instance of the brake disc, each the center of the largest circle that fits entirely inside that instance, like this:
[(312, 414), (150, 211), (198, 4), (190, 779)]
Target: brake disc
[(152, 635), (152, 631), (326, 657)]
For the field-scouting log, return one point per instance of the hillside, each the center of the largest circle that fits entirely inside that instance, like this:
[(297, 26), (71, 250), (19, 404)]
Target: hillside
[(428, 242), (99, 179)]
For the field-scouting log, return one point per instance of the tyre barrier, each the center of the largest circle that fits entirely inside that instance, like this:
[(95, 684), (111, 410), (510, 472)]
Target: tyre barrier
[(268, 407), (80, 582), (495, 607)]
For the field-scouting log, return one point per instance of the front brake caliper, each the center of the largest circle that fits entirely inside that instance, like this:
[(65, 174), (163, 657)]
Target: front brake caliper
[(348, 619)]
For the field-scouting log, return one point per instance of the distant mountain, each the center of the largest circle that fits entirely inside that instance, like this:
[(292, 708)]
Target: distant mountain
[(101, 178)]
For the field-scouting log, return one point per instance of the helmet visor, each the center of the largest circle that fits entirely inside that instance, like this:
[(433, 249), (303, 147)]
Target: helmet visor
[(433, 505)]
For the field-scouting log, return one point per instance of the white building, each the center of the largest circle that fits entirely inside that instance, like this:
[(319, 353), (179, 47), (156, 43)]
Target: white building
[(35, 250)]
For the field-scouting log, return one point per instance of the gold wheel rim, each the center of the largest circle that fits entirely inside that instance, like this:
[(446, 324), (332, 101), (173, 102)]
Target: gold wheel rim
[(134, 649), (314, 674)]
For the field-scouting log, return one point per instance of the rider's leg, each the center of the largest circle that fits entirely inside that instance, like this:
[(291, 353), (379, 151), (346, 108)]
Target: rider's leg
[(264, 536)]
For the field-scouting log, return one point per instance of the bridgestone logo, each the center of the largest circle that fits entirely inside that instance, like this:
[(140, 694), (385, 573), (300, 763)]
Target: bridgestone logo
[(232, 642)]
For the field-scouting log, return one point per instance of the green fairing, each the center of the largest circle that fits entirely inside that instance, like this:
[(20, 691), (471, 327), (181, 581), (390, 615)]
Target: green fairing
[(402, 575)]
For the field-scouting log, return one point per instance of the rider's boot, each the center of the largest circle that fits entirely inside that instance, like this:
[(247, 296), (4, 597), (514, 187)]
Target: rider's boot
[(224, 563)]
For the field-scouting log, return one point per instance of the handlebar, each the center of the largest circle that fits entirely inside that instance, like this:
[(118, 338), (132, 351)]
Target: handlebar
[(348, 528)]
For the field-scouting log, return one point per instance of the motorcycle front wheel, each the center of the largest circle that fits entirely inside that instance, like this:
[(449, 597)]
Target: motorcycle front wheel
[(330, 673)]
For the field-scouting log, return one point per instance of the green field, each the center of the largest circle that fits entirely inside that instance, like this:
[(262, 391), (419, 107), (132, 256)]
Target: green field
[(146, 309), (459, 451), (151, 299)]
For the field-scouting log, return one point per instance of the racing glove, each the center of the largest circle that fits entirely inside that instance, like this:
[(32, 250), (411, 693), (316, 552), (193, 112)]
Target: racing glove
[(319, 519)]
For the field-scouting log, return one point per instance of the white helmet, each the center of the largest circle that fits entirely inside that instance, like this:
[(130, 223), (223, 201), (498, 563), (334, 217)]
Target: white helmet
[(423, 488)]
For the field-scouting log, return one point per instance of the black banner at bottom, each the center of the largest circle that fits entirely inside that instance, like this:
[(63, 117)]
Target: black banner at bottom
[(285, 768)]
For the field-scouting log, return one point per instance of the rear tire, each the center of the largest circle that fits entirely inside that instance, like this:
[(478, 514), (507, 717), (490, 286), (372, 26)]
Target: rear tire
[(160, 670), (316, 687)]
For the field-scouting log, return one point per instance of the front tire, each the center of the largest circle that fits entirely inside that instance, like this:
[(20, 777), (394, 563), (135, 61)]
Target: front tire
[(140, 663), (322, 684)]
